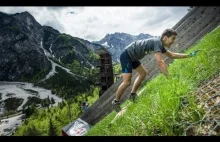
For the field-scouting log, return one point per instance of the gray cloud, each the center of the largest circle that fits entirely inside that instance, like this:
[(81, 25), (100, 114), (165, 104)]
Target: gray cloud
[(164, 15), (55, 8), (154, 21), (56, 25), (92, 37), (71, 12), (93, 23), (92, 19)]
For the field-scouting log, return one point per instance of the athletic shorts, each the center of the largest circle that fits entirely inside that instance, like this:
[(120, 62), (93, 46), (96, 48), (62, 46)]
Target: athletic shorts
[(126, 63)]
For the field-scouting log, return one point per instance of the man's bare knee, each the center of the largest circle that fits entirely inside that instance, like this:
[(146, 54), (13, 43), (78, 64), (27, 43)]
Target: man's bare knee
[(143, 75), (127, 83)]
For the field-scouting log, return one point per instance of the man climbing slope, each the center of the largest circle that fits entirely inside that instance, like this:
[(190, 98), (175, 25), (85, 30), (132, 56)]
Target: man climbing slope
[(134, 52)]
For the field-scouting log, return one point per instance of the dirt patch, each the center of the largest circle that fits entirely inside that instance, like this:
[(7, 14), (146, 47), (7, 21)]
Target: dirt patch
[(208, 96)]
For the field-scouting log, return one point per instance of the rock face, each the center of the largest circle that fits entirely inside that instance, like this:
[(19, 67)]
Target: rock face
[(23, 59), (115, 43)]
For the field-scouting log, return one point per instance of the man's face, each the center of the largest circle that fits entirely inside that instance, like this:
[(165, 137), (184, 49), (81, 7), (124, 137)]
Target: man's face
[(168, 40)]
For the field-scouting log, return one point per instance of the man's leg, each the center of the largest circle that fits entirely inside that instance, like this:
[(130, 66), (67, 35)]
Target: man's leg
[(126, 82), (142, 74), (126, 66)]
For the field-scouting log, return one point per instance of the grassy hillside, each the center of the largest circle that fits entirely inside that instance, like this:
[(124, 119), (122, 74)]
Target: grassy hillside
[(168, 106)]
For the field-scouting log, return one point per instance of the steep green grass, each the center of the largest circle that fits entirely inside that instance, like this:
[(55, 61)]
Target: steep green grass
[(168, 106)]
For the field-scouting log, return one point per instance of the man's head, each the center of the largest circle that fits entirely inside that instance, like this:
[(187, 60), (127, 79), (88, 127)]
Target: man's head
[(168, 37)]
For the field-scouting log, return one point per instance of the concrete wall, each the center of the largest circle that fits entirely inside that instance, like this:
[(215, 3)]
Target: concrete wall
[(192, 27)]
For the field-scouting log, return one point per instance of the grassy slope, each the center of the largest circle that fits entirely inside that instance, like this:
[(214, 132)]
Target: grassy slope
[(159, 110)]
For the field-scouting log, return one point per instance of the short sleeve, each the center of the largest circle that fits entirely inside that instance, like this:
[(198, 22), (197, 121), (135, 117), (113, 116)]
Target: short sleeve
[(163, 49), (158, 47)]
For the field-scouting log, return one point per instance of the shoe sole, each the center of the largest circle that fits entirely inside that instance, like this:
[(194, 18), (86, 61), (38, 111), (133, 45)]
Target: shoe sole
[(116, 108), (133, 99)]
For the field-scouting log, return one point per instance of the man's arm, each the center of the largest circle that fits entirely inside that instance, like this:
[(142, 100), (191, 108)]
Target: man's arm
[(175, 55), (161, 63)]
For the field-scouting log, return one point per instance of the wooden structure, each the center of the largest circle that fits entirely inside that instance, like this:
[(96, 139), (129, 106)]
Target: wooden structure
[(106, 70)]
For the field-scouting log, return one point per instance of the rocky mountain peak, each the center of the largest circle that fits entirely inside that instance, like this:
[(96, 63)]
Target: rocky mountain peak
[(27, 18), (33, 27), (116, 42)]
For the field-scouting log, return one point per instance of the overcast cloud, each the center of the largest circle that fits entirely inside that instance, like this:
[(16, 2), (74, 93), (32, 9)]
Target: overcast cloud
[(93, 23)]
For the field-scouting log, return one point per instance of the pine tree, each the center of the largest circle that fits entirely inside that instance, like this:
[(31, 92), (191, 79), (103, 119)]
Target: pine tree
[(42, 103), (32, 131), (52, 128), (48, 99), (52, 100)]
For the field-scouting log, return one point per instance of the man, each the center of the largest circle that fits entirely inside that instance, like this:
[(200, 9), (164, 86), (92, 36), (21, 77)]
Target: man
[(85, 106), (137, 50)]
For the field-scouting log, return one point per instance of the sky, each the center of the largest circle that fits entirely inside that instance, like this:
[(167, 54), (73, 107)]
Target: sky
[(94, 23)]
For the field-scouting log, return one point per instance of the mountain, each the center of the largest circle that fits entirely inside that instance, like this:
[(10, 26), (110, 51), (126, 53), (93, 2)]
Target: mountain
[(42, 55), (115, 43), (21, 56)]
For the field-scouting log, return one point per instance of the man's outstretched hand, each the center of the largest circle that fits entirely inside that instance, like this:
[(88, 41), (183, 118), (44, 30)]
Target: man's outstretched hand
[(192, 54)]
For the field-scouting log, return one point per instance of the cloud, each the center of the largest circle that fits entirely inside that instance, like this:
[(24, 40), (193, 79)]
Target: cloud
[(55, 8), (90, 36), (93, 23), (55, 25)]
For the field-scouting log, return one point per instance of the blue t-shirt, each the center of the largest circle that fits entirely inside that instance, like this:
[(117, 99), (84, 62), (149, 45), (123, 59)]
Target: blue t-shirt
[(138, 49)]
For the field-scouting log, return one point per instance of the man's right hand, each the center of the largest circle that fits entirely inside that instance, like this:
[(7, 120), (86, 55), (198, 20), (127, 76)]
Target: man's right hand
[(192, 54)]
